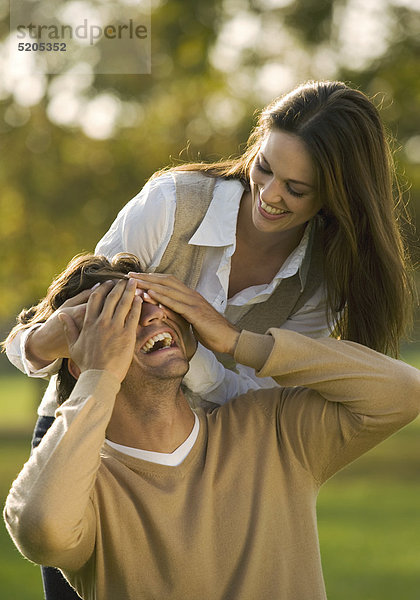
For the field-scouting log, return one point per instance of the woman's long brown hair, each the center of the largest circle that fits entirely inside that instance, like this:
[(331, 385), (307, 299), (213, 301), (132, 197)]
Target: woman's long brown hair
[(366, 266)]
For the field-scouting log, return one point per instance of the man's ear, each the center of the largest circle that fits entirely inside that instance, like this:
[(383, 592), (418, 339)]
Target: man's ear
[(73, 368)]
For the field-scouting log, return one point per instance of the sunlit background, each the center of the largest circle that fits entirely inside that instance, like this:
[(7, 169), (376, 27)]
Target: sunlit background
[(76, 146)]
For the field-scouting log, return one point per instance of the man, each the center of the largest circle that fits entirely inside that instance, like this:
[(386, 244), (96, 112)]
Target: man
[(183, 505)]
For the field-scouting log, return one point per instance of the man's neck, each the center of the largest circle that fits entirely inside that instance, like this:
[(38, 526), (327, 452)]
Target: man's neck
[(158, 419)]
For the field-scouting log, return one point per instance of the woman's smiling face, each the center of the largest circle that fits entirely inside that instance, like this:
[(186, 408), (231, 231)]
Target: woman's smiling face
[(283, 187)]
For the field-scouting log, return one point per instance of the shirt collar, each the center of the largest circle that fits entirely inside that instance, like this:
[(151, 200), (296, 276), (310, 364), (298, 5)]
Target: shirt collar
[(218, 228), (172, 459)]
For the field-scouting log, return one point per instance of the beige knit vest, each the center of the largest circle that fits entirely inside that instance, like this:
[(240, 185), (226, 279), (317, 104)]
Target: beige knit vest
[(194, 192)]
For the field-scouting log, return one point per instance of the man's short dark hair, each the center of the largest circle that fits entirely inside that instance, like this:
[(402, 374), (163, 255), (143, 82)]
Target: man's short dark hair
[(83, 271)]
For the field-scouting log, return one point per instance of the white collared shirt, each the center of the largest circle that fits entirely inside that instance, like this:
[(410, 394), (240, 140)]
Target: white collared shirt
[(144, 227)]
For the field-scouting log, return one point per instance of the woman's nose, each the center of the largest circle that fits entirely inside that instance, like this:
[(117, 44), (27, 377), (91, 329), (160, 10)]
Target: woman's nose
[(270, 191)]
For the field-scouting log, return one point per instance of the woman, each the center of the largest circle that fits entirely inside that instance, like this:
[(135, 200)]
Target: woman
[(309, 204), (299, 232)]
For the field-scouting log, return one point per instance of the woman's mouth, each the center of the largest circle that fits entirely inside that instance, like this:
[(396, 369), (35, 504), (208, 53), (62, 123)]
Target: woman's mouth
[(269, 212)]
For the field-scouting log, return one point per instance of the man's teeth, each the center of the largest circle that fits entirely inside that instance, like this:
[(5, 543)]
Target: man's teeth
[(164, 337), (271, 210)]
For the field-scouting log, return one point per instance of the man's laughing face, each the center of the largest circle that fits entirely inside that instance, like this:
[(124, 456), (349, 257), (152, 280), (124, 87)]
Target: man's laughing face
[(164, 343)]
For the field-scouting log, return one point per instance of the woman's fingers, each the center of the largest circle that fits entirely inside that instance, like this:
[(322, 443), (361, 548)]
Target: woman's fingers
[(213, 330), (174, 294), (184, 298), (179, 306), (169, 281), (169, 287)]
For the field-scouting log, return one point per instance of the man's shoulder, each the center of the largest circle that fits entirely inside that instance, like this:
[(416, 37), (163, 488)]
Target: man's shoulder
[(258, 406)]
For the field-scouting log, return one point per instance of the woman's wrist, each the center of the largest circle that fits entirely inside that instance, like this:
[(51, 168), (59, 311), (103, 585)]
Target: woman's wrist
[(36, 349), (232, 340)]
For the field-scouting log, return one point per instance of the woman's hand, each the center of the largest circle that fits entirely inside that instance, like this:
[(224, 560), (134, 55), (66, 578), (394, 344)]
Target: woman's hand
[(48, 342), (210, 327), (108, 335)]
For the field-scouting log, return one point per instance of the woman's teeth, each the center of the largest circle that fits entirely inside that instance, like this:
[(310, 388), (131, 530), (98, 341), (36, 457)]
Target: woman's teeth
[(164, 337), (271, 210)]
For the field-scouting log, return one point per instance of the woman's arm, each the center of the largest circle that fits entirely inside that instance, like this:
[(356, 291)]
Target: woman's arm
[(36, 348), (213, 382), (209, 379), (16, 353)]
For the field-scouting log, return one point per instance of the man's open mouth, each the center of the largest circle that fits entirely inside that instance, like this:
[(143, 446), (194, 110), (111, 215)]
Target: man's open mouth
[(158, 342)]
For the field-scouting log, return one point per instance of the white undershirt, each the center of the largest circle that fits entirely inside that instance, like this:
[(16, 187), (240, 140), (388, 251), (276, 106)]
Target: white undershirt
[(173, 459)]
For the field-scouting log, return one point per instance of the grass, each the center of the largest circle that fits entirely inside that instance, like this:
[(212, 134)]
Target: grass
[(19, 579), (368, 515), (19, 395), (410, 353), (369, 523)]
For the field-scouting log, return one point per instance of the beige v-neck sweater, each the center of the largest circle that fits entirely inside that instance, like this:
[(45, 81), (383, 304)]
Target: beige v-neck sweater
[(236, 520)]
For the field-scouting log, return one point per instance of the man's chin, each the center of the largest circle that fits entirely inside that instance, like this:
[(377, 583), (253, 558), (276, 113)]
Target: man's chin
[(164, 365)]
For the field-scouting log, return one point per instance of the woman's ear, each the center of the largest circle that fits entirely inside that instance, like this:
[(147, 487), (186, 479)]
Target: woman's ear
[(73, 368)]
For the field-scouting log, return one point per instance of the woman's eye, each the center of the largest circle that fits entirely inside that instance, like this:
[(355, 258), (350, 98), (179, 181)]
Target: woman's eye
[(268, 172), (293, 192), (261, 168)]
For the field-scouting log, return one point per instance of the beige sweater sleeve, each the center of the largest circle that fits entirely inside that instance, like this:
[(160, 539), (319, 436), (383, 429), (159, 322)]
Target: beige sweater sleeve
[(349, 397), (48, 511)]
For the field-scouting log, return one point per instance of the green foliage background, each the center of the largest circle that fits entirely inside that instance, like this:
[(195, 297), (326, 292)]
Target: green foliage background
[(61, 189)]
